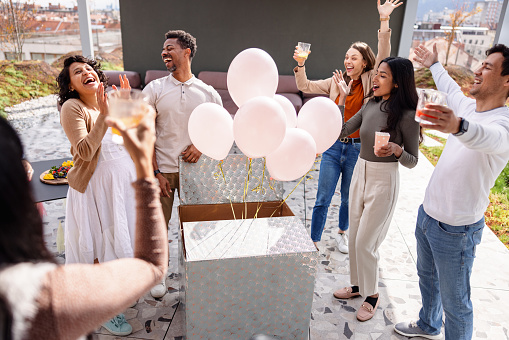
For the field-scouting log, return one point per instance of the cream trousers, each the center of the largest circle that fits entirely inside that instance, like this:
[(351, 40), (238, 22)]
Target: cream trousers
[(373, 195)]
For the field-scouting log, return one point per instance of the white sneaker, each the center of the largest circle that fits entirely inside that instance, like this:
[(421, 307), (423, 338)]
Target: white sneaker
[(342, 242), (159, 290)]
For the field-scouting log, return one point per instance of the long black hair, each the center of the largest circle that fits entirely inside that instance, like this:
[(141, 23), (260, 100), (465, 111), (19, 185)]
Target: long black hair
[(21, 231), (403, 97), (64, 78)]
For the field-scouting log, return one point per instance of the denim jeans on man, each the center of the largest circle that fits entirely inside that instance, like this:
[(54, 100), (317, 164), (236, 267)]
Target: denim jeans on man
[(339, 159), (445, 255)]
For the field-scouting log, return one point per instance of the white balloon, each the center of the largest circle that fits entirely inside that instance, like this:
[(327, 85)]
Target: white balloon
[(321, 117), (259, 127), (211, 130), (294, 157), (291, 113), (252, 73)]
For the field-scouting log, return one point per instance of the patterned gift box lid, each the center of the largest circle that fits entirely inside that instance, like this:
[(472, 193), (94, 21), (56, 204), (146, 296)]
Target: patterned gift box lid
[(214, 182), (212, 240)]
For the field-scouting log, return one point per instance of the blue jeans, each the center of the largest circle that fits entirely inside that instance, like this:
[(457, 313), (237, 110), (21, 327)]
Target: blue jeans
[(339, 159), (445, 255)]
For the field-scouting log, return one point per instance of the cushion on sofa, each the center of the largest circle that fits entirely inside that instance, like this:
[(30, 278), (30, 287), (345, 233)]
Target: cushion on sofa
[(154, 74), (308, 96), (294, 98), (228, 102), (133, 77), (287, 85), (215, 79)]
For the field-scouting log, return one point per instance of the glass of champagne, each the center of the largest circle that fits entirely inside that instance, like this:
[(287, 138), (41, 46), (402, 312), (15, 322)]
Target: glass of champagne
[(428, 96), (128, 106), (303, 49)]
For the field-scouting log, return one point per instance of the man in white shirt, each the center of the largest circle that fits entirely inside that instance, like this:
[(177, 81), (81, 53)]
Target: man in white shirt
[(451, 219), (174, 98)]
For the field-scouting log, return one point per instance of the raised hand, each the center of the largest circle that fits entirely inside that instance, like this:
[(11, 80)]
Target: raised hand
[(386, 9), (299, 60), (424, 56)]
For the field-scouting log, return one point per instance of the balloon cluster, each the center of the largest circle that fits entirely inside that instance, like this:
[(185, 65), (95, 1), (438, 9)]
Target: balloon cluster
[(266, 124)]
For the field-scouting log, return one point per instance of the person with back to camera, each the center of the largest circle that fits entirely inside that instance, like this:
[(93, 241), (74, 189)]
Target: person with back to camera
[(360, 64), (375, 180), (100, 214), (451, 219), (42, 300)]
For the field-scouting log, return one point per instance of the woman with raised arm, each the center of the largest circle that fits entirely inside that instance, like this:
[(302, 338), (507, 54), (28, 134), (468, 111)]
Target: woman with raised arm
[(375, 180), (100, 218), (42, 300), (360, 65)]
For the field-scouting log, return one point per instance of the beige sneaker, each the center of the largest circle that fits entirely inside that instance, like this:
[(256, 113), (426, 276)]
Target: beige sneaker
[(342, 242)]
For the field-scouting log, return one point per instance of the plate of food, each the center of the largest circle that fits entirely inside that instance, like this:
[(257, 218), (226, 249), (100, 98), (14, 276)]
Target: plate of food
[(57, 174)]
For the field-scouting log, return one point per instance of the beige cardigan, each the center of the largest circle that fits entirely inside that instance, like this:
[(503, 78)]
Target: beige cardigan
[(66, 302), (329, 86), (85, 129)]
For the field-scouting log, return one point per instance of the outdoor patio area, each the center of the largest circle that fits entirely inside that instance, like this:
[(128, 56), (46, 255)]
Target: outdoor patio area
[(331, 318)]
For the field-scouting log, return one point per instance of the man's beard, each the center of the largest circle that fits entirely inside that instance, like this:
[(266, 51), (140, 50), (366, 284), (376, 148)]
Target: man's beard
[(172, 69)]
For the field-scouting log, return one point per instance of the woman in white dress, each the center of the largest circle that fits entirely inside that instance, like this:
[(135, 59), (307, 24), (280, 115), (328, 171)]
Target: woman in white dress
[(100, 214)]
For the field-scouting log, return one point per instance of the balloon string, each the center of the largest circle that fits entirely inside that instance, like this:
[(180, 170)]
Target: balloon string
[(261, 188), (229, 196), (246, 186), (291, 192)]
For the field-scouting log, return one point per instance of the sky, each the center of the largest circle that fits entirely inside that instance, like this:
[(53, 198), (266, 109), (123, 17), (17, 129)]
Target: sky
[(96, 4)]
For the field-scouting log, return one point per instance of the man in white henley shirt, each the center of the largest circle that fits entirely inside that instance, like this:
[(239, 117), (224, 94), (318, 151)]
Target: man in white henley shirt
[(174, 98), (451, 219)]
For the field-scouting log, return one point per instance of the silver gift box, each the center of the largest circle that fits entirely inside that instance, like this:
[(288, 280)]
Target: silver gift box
[(241, 275)]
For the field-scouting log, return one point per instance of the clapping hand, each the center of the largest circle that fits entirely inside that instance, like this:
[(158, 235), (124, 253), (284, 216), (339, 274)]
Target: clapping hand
[(124, 83), (344, 89), (102, 100)]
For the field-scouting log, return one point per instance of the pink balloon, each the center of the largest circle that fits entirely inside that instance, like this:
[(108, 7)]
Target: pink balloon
[(252, 73), (321, 117), (211, 130), (259, 127), (294, 157), (291, 114)]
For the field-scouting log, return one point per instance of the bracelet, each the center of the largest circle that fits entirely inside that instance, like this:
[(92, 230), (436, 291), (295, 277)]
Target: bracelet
[(385, 19), (299, 65)]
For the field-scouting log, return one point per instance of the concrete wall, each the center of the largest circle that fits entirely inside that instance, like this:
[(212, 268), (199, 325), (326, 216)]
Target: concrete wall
[(223, 28)]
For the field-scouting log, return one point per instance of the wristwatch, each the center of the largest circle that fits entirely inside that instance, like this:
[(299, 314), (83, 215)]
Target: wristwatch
[(463, 127), (156, 172)]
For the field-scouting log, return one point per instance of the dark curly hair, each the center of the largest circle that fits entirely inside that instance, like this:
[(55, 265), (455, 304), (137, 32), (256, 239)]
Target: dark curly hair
[(184, 39), (64, 78), (404, 97), (501, 48), (21, 229)]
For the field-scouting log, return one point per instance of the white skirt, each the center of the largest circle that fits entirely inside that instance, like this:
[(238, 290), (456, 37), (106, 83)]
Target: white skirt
[(99, 223)]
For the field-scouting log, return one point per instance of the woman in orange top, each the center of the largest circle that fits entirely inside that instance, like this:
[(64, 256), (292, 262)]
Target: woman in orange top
[(340, 159)]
